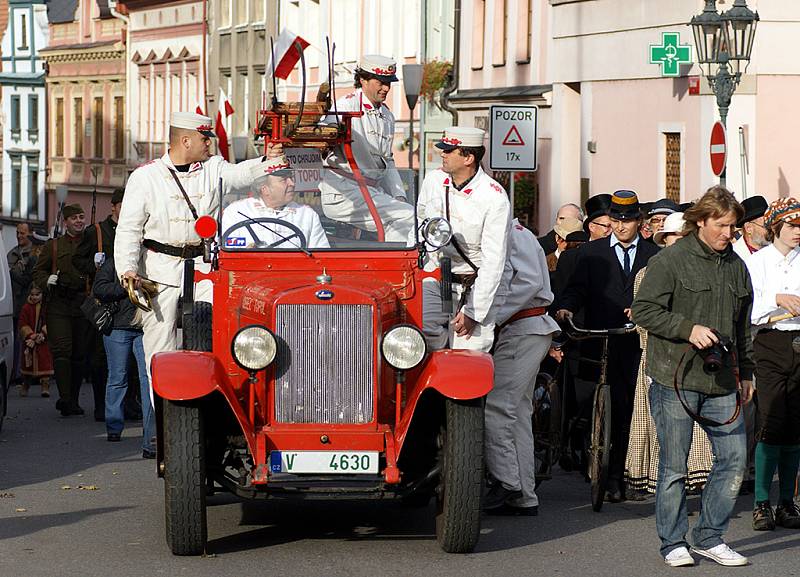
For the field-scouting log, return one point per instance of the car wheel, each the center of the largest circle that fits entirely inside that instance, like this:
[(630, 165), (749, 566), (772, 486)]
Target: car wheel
[(458, 496), (3, 400), (197, 328), (184, 478)]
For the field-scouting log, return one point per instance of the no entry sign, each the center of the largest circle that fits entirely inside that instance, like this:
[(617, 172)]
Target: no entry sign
[(513, 138), (718, 149)]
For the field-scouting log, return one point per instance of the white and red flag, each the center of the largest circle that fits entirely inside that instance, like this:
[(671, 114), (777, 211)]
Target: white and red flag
[(224, 110), (286, 53)]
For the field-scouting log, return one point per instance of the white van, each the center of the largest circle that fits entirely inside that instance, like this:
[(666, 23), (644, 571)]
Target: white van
[(6, 331)]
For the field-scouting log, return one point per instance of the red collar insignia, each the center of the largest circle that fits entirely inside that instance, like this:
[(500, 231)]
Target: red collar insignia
[(367, 106), (447, 181)]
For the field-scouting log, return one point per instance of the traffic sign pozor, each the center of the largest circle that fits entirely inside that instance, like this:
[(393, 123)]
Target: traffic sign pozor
[(512, 145), (718, 149)]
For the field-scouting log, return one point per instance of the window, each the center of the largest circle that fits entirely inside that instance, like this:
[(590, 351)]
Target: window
[(499, 33), (224, 13), (33, 191), (240, 16), (23, 32), (524, 15), (97, 132), (78, 127), (476, 58), (673, 166), (59, 145), (119, 127), (16, 188), (33, 114), (15, 114)]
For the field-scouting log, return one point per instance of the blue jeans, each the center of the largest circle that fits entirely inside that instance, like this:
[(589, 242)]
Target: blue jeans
[(119, 345), (674, 429)]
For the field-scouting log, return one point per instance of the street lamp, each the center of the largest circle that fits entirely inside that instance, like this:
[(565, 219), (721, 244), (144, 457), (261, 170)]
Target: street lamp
[(724, 40), (412, 83)]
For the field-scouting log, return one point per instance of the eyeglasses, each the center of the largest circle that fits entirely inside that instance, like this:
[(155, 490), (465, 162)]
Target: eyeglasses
[(601, 225)]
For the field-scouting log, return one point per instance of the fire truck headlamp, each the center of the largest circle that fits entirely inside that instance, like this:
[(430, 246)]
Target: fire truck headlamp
[(403, 347), (254, 348), (436, 231)]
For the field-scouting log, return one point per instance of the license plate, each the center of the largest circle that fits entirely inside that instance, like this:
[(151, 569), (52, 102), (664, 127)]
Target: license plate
[(329, 462)]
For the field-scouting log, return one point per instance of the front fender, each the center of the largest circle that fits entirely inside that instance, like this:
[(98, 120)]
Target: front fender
[(186, 375), (456, 374)]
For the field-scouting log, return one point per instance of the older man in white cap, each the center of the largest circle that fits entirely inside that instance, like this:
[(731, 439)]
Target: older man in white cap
[(155, 233), (273, 183), (373, 134), (480, 214)]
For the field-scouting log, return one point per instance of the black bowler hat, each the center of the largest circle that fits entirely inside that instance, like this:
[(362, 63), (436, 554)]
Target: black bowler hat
[(596, 206), (663, 206), (624, 206), (754, 207)]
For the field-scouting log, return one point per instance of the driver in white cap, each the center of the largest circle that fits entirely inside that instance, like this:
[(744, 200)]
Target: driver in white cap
[(155, 233), (480, 214), (273, 183), (373, 134)]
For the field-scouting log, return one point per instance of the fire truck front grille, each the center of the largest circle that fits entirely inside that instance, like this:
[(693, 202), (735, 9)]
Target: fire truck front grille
[(324, 371)]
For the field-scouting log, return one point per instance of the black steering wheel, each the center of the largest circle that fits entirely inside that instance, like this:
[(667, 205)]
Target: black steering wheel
[(263, 221)]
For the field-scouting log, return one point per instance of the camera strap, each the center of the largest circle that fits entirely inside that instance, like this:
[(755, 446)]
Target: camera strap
[(677, 384)]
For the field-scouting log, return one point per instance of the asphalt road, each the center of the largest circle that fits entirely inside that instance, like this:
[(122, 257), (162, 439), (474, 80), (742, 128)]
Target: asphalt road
[(72, 504)]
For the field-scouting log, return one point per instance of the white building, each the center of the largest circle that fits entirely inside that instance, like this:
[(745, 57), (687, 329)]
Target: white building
[(22, 81)]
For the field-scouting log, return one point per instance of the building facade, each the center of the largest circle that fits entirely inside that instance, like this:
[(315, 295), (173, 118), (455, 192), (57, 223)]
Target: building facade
[(22, 82), (86, 100)]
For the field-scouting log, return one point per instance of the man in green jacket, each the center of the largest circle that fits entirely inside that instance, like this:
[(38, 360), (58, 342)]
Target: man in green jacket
[(693, 293)]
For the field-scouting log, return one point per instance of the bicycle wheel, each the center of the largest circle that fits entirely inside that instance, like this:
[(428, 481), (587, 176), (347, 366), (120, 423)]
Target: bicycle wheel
[(601, 445)]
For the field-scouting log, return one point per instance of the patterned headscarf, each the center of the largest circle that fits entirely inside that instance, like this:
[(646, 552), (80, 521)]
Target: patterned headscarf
[(783, 209)]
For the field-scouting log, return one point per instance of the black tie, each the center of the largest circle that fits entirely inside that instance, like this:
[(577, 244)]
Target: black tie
[(626, 259)]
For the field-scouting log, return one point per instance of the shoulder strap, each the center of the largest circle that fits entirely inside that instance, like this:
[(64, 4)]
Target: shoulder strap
[(99, 237), (456, 245), (183, 192)]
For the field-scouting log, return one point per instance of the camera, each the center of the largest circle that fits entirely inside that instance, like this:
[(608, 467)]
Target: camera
[(713, 355)]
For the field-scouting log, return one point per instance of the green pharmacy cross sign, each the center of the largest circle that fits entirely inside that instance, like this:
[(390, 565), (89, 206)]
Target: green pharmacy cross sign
[(670, 54)]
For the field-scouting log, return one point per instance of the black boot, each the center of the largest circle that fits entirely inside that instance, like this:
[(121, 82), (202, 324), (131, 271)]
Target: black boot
[(76, 378), (62, 368)]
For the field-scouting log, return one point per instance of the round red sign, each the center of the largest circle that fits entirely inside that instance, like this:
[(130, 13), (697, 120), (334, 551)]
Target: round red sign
[(718, 149)]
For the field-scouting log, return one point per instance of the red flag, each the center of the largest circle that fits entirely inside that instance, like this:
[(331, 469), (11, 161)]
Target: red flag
[(286, 53), (224, 110)]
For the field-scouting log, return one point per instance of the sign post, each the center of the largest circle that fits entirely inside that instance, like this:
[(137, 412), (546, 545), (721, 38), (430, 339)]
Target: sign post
[(512, 145), (718, 151)]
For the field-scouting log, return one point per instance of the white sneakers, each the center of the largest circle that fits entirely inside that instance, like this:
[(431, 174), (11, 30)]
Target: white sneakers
[(679, 557), (723, 555)]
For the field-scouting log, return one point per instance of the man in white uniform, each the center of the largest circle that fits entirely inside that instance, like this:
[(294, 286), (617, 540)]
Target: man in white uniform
[(155, 233), (373, 134), (274, 185), (480, 214), (523, 339)]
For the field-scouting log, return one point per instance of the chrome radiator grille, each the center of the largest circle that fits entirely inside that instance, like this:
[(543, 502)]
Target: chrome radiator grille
[(324, 371)]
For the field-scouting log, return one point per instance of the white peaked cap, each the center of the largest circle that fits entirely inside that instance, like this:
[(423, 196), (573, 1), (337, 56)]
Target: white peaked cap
[(277, 166), (192, 121), (456, 136), (382, 66)]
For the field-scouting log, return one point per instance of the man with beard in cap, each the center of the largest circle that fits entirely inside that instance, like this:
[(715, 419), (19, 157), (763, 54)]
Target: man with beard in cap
[(754, 233), (67, 329), (602, 287), (373, 135)]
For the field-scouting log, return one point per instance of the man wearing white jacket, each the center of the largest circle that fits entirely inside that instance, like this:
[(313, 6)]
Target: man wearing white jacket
[(524, 333), (155, 233), (480, 214)]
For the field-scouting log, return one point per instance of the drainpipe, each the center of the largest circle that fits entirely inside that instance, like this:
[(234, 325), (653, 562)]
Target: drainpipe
[(452, 85), (112, 6), (203, 58)]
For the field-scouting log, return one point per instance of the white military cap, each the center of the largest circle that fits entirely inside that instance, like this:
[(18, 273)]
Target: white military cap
[(278, 166), (192, 121), (383, 67), (457, 136)]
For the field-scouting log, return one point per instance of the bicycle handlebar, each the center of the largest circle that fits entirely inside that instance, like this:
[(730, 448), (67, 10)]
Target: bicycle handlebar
[(578, 332)]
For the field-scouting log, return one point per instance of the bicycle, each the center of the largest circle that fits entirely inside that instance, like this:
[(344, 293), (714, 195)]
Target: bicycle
[(600, 448)]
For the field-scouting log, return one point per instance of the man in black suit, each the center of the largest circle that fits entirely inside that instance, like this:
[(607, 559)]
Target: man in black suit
[(602, 287)]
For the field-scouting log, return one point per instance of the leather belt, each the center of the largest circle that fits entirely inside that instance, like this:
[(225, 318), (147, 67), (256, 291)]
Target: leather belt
[(464, 278), (186, 252), (524, 314)]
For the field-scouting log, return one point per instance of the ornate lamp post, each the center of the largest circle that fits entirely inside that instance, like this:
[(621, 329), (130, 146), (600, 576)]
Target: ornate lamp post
[(724, 43)]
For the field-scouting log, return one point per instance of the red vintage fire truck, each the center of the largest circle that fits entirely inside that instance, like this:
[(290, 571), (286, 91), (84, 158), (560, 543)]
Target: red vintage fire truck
[(309, 377)]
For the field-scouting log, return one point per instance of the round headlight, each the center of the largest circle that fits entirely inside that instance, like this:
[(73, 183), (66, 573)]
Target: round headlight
[(436, 231), (403, 347), (254, 348)]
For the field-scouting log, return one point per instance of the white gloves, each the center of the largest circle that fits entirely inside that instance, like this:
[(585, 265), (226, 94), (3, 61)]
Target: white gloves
[(52, 280), (99, 259)]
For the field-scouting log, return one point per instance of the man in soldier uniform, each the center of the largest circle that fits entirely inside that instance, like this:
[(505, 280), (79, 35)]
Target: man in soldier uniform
[(163, 199), (480, 214), (273, 183), (67, 328), (373, 134)]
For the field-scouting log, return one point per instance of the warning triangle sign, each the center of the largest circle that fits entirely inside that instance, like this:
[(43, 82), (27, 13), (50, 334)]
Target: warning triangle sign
[(513, 138)]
